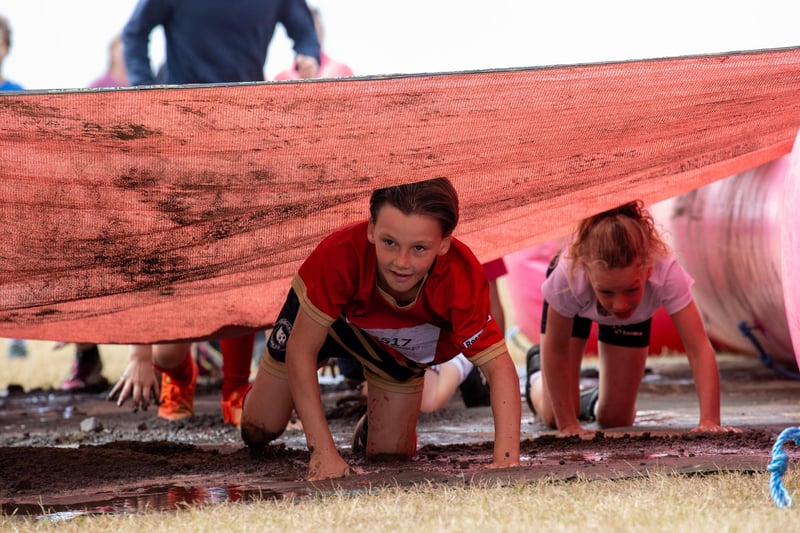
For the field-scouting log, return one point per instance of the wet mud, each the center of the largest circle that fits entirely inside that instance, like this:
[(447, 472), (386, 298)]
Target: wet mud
[(78, 453)]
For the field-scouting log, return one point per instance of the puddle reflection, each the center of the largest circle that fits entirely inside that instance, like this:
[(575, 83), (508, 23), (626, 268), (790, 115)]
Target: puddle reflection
[(153, 499), (594, 457)]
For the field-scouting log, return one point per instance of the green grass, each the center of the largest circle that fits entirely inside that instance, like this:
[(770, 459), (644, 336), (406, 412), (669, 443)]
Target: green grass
[(661, 503), (733, 502)]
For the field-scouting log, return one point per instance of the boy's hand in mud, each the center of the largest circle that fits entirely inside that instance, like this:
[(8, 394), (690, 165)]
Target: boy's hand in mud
[(327, 467)]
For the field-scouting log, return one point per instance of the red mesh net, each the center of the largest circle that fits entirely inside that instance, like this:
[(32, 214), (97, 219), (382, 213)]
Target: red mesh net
[(142, 215)]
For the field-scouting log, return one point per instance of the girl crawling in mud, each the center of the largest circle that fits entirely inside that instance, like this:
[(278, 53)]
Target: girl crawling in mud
[(398, 293), (617, 272)]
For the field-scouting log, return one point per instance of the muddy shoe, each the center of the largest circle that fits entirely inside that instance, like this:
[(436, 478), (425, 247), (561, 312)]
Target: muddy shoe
[(475, 389), (232, 405), (588, 402), (360, 437), (177, 398), (532, 365)]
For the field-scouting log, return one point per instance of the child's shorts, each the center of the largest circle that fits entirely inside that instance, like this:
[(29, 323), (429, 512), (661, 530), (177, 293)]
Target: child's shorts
[(344, 341)]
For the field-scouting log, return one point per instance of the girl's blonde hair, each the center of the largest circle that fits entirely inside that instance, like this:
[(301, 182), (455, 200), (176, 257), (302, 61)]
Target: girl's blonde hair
[(617, 239)]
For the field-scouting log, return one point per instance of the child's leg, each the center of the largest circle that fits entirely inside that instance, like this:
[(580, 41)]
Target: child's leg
[(392, 422), (267, 407), (578, 329), (539, 395), (621, 371), (171, 357), (178, 379), (268, 404), (237, 357), (440, 384)]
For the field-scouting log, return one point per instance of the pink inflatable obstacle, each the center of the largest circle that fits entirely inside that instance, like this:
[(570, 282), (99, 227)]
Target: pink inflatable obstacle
[(728, 235), (790, 247)]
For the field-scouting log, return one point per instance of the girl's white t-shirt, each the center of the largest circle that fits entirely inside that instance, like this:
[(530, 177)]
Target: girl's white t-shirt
[(570, 295)]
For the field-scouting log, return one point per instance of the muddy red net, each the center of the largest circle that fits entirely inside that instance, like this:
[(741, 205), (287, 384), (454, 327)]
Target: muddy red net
[(164, 213)]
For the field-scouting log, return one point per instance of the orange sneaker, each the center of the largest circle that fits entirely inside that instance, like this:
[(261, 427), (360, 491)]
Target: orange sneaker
[(232, 406), (177, 399)]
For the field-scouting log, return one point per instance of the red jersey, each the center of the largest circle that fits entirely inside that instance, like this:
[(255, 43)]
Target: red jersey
[(451, 314)]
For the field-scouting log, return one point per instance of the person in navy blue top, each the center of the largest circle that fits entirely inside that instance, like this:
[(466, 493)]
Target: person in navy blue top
[(216, 41), (207, 41), (5, 48)]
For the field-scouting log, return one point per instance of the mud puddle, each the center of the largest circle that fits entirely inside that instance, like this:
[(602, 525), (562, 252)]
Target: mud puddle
[(56, 466)]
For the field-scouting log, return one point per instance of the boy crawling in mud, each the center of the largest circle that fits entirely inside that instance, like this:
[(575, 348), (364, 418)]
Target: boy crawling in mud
[(399, 293)]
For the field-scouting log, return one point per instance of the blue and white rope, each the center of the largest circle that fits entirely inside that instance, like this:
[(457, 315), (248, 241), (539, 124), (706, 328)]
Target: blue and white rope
[(777, 466)]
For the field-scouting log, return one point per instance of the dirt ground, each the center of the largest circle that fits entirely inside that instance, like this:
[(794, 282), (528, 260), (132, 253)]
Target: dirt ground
[(64, 452)]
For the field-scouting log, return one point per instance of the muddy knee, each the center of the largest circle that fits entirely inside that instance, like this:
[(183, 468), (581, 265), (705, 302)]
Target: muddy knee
[(255, 436), (615, 420)]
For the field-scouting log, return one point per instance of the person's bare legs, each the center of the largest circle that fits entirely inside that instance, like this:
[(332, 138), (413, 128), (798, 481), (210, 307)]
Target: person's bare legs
[(621, 371), (267, 409), (539, 395), (392, 423), (439, 387), (178, 380), (168, 356)]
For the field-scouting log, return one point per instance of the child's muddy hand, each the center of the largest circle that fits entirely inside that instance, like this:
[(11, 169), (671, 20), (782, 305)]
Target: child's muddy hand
[(327, 468)]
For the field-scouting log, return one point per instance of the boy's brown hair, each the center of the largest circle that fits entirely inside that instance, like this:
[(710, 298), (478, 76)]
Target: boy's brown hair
[(435, 198)]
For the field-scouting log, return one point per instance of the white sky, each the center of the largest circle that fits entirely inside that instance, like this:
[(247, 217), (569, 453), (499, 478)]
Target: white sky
[(64, 44)]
